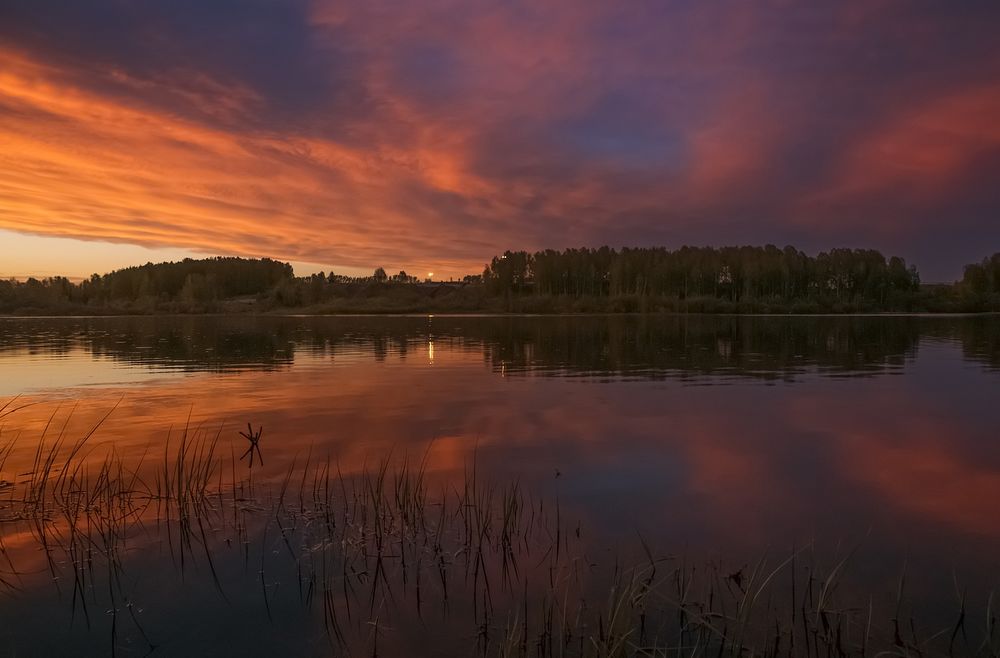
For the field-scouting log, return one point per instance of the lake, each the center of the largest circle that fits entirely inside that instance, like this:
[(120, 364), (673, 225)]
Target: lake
[(853, 460)]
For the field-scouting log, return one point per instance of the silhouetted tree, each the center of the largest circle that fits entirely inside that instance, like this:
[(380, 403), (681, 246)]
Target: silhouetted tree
[(735, 274)]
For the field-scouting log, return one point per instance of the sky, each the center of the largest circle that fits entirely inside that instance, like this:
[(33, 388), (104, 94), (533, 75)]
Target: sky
[(429, 136)]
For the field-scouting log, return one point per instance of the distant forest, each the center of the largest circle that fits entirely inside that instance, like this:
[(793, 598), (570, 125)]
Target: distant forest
[(689, 279)]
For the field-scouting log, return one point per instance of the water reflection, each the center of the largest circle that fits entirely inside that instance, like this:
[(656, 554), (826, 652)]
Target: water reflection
[(596, 412), (643, 347)]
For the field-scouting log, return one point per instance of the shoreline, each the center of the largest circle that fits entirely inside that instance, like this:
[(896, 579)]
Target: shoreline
[(507, 314)]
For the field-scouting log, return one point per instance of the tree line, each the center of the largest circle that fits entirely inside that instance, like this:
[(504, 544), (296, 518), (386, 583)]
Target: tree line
[(983, 278), (732, 273), (190, 282), (745, 279)]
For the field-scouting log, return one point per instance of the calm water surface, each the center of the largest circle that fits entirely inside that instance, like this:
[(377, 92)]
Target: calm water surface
[(717, 437)]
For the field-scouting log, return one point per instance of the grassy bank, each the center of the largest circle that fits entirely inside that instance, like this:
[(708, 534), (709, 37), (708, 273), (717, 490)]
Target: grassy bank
[(347, 299)]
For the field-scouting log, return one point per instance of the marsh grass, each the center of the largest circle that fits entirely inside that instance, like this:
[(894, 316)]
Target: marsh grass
[(390, 554)]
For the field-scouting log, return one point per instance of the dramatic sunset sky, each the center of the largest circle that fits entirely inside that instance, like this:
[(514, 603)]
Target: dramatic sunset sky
[(430, 134)]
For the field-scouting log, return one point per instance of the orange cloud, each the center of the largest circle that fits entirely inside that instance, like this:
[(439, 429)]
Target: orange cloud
[(82, 165), (433, 136), (920, 152)]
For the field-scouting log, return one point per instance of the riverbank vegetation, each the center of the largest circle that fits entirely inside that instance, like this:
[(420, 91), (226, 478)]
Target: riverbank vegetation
[(378, 561), (690, 279)]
